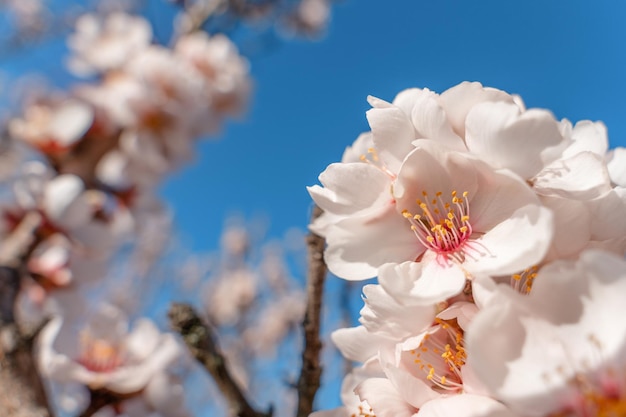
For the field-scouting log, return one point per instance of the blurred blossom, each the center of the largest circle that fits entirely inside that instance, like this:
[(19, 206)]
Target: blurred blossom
[(53, 126), (274, 323), (102, 44), (235, 241), (104, 352), (229, 295)]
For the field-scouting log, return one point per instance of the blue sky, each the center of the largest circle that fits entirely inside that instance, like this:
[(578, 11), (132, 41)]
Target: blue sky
[(310, 97)]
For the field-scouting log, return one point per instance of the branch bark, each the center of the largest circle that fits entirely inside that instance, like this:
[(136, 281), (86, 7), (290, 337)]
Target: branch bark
[(23, 393), (200, 340), (311, 372)]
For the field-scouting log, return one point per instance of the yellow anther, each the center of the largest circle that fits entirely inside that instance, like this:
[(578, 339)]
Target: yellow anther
[(465, 193), (463, 229), (438, 193), (465, 218)]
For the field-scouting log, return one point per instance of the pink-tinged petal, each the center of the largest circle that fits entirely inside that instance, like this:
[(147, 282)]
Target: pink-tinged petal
[(385, 317), (607, 215), (499, 195), (355, 343), (465, 405), (431, 122), (513, 245), (406, 99), (616, 165), (143, 339), (572, 226), (506, 138), (358, 246), (166, 395), (583, 176), (497, 341), (588, 136), (462, 311), (432, 168), (335, 412), (459, 100), (128, 379), (425, 283), (412, 390), (351, 189), (70, 122), (393, 133), (360, 147), (64, 203), (384, 399)]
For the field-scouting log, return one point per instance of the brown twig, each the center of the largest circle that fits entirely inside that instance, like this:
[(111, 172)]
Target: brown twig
[(201, 343), (311, 371)]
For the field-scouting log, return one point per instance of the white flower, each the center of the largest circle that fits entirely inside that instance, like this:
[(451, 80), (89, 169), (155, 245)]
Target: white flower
[(103, 353), (53, 127), (561, 348), (100, 45), (451, 212)]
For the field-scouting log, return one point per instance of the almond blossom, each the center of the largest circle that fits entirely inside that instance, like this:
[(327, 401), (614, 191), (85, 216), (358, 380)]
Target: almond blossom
[(102, 44), (560, 350), (104, 352)]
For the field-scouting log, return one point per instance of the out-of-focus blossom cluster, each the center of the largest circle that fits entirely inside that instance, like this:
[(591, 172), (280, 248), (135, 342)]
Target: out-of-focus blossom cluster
[(497, 234), (289, 17), (251, 293), (85, 167)]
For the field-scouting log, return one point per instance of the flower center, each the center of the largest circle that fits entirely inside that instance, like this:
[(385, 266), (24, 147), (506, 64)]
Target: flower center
[(373, 159), (441, 355), (442, 226), (523, 282), (99, 355)]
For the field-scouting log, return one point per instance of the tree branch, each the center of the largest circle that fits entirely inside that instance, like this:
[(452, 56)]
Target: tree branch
[(201, 343), (311, 371)]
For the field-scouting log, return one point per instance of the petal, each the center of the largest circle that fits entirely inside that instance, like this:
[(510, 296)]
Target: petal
[(583, 176), (384, 399), (355, 343), (351, 188), (358, 246), (513, 245), (464, 405), (393, 133), (459, 100), (64, 202), (430, 121), (616, 164), (588, 136), (506, 138), (426, 283), (572, 226), (432, 168)]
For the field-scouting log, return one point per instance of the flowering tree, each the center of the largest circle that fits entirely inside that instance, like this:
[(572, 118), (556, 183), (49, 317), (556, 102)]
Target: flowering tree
[(495, 233)]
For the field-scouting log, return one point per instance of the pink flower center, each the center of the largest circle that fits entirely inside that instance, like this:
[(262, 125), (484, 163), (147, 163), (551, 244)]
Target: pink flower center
[(98, 355), (442, 226)]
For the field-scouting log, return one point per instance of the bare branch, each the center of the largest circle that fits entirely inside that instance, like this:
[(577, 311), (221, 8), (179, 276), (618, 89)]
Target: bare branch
[(23, 394), (311, 371), (201, 342)]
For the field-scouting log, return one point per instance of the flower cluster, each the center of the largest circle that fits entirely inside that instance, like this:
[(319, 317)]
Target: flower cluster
[(497, 236), (83, 190)]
